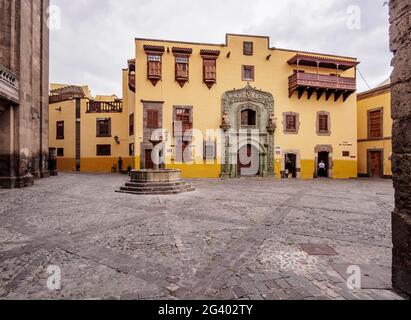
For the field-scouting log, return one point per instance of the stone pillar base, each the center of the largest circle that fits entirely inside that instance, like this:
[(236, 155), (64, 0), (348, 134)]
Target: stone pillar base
[(401, 229), (45, 174), (16, 182)]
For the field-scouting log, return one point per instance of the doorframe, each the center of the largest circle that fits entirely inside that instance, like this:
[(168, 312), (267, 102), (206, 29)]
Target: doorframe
[(330, 150), (369, 161), (297, 162)]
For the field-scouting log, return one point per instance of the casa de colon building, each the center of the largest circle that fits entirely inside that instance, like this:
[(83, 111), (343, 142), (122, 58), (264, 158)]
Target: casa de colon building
[(214, 105), (303, 106)]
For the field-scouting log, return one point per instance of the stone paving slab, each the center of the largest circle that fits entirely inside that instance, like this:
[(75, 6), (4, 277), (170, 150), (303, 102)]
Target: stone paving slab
[(229, 239)]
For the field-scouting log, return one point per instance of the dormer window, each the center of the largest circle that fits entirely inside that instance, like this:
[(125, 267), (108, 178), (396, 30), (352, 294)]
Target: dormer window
[(182, 57), (210, 66), (154, 63)]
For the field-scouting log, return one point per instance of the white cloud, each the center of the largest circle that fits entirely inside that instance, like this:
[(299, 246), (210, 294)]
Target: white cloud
[(96, 37)]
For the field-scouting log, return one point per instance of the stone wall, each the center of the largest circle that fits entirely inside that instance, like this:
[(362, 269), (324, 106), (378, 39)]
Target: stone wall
[(400, 19), (24, 50)]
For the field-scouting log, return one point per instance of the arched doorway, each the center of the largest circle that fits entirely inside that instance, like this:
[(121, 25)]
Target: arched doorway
[(248, 161)]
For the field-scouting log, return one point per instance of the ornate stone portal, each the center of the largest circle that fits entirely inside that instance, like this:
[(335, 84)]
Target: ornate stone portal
[(259, 135)]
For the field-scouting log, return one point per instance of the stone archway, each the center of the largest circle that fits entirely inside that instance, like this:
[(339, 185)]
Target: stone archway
[(261, 134)]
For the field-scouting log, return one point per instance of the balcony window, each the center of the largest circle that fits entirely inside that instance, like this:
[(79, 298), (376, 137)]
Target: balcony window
[(182, 70), (154, 68), (210, 66)]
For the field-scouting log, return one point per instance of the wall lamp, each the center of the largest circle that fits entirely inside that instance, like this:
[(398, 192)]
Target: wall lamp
[(117, 140)]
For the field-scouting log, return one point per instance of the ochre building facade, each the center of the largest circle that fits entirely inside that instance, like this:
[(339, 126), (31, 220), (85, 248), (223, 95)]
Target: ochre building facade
[(302, 105), (87, 134), (375, 132)]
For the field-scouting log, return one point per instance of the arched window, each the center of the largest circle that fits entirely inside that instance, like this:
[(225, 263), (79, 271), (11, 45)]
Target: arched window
[(248, 118)]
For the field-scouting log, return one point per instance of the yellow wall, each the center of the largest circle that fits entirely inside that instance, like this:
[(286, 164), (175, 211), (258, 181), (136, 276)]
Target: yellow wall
[(271, 76), (379, 99), (89, 161)]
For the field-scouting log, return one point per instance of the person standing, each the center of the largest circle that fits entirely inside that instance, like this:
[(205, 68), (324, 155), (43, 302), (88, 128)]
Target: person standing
[(322, 167), (120, 165)]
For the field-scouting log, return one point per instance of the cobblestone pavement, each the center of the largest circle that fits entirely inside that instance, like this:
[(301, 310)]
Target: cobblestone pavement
[(233, 239)]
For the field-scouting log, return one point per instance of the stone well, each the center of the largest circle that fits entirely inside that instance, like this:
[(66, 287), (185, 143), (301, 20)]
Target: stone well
[(156, 182)]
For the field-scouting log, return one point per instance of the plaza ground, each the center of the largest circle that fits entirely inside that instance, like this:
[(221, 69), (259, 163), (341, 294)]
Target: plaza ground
[(231, 239)]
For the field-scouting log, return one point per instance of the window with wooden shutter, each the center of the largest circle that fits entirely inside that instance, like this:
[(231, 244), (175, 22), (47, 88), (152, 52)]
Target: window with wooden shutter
[(375, 124), (291, 122), (248, 73), (182, 121), (248, 48), (323, 123), (103, 128), (154, 68), (210, 70), (60, 130), (153, 121), (248, 118), (182, 70)]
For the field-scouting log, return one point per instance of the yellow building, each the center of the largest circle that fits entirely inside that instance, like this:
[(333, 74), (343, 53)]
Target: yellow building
[(375, 132), (88, 134), (287, 113)]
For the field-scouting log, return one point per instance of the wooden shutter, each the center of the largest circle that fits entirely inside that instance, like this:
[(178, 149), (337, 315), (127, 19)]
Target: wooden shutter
[(153, 119), (244, 118), (323, 123), (375, 126), (209, 69), (291, 123)]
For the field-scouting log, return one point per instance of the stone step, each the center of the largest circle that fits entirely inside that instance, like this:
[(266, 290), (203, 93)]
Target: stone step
[(158, 192), (156, 184), (156, 188)]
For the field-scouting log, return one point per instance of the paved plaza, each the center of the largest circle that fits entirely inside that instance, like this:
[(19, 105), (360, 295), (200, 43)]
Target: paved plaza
[(232, 239)]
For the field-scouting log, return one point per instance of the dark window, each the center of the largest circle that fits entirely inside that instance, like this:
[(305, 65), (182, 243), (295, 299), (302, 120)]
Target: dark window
[(131, 124), (248, 48), (248, 73), (291, 123), (131, 149), (104, 127), (375, 124), (210, 70), (346, 153), (154, 66), (153, 121), (104, 150), (248, 118), (60, 130), (323, 123), (182, 68), (60, 152)]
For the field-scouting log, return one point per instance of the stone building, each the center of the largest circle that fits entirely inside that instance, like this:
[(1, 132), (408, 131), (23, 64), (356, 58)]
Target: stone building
[(24, 65), (400, 19), (303, 106)]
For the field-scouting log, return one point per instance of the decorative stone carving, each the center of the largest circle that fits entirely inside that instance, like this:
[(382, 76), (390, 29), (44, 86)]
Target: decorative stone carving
[(226, 123), (258, 100)]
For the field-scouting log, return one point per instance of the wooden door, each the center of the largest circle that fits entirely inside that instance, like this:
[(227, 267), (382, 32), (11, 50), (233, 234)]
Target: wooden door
[(376, 164), (250, 155)]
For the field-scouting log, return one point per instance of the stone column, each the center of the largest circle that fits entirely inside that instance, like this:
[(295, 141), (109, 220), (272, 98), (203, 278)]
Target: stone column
[(400, 19)]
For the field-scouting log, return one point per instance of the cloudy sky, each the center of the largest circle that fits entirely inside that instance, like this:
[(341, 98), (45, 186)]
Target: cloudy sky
[(95, 37)]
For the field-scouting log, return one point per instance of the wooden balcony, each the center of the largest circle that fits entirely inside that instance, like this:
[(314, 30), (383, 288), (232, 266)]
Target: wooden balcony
[(66, 93), (132, 82), (9, 85), (320, 84), (104, 107)]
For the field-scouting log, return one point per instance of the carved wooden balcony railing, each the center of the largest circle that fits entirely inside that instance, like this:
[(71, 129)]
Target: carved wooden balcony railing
[(9, 85), (104, 107), (321, 84), (66, 93)]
